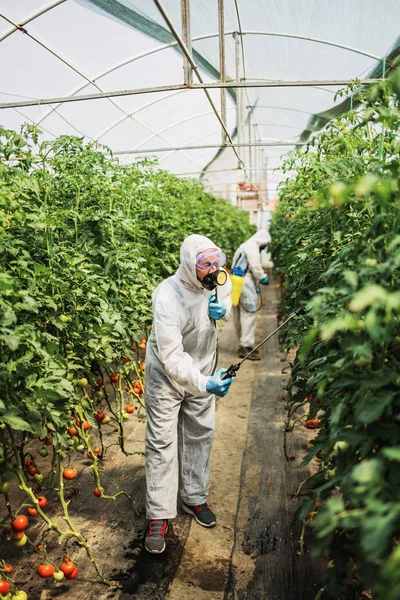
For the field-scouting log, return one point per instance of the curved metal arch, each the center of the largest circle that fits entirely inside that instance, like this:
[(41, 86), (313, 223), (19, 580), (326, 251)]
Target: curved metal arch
[(305, 112), (314, 40), (137, 110), (171, 125), (208, 149), (88, 80), (201, 137), (277, 125), (125, 62), (40, 12), (204, 37)]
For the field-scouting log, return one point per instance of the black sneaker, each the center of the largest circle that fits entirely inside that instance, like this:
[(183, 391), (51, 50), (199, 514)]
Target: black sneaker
[(202, 513), (255, 355), (242, 352), (154, 538)]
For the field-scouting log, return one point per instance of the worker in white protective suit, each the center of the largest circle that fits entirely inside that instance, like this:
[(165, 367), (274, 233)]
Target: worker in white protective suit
[(181, 358), (248, 258)]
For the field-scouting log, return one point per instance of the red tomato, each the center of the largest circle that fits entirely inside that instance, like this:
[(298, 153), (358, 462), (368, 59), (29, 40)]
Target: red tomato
[(99, 382), (137, 388), (73, 574), (96, 492), (99, 416), (32, 512), (67, 567), (4, 587), (72, 430), (129, 409), (29, 463), (46, 571), (114, 377), (42, 501), (7, 569), (313, 424), (20, 523), (69, 473), (32, 470), (85, 424)]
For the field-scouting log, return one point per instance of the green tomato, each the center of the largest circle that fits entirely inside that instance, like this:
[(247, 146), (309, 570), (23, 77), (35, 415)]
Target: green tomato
[(38, 477), (43, 452), (340, 447), (4, 487), (362, 361), (65, 318), (70, 377), (2, 425), (125, 416), (371, 262), (58, 575), (80, 447), (21, 595), (99, 394), (21, 542), (82, 382)]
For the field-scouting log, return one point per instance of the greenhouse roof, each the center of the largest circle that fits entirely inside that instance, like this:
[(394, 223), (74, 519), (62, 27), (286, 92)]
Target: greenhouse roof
[(179, 78)]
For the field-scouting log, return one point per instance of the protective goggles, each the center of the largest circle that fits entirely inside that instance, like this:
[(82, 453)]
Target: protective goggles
[(212, 258)]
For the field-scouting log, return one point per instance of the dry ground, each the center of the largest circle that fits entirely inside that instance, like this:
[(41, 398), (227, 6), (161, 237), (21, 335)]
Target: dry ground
[(250, 554)]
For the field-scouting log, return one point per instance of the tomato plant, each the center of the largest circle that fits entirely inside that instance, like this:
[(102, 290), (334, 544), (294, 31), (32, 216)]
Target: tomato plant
[(83, 242), (336, 245)]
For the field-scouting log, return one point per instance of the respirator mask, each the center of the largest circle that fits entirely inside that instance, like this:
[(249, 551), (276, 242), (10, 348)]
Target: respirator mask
[(205, 261)]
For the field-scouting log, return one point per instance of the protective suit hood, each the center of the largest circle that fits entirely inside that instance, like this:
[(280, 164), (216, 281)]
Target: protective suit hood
[(262, 237), (190, 248)]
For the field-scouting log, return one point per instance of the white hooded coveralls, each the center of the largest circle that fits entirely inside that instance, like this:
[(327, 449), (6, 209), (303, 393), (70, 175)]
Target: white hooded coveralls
[(248, 257), (181, 356)]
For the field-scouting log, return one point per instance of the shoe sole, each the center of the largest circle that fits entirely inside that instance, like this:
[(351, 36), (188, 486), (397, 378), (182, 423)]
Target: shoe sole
[(189, 511), (157, 551)]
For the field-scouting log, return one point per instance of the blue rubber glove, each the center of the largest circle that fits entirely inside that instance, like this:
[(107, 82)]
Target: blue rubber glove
[(264, 281), (216, 385), (216, 310)]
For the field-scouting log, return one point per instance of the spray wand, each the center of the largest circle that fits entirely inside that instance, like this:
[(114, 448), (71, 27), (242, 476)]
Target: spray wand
[(231, 372)]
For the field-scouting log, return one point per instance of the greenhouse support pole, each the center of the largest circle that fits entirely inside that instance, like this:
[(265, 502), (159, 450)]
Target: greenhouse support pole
[(184, 49), (187, 40), (250, 140), (240, 92), (222, 70)]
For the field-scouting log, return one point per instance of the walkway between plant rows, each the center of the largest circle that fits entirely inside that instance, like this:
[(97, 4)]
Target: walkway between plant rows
[(252, 552)]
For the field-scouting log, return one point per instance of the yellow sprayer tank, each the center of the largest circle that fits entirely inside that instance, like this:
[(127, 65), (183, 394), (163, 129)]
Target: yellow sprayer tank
[(237, 279)]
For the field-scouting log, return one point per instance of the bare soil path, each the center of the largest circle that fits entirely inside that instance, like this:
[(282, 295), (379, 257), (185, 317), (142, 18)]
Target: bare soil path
[(252, 552)]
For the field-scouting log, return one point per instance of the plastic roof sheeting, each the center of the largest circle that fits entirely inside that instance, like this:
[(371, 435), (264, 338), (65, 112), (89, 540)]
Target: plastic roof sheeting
[(75, 47)]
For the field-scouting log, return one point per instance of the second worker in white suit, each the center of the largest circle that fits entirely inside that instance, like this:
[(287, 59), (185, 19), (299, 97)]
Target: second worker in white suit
[(248, 258), (181, 357)]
